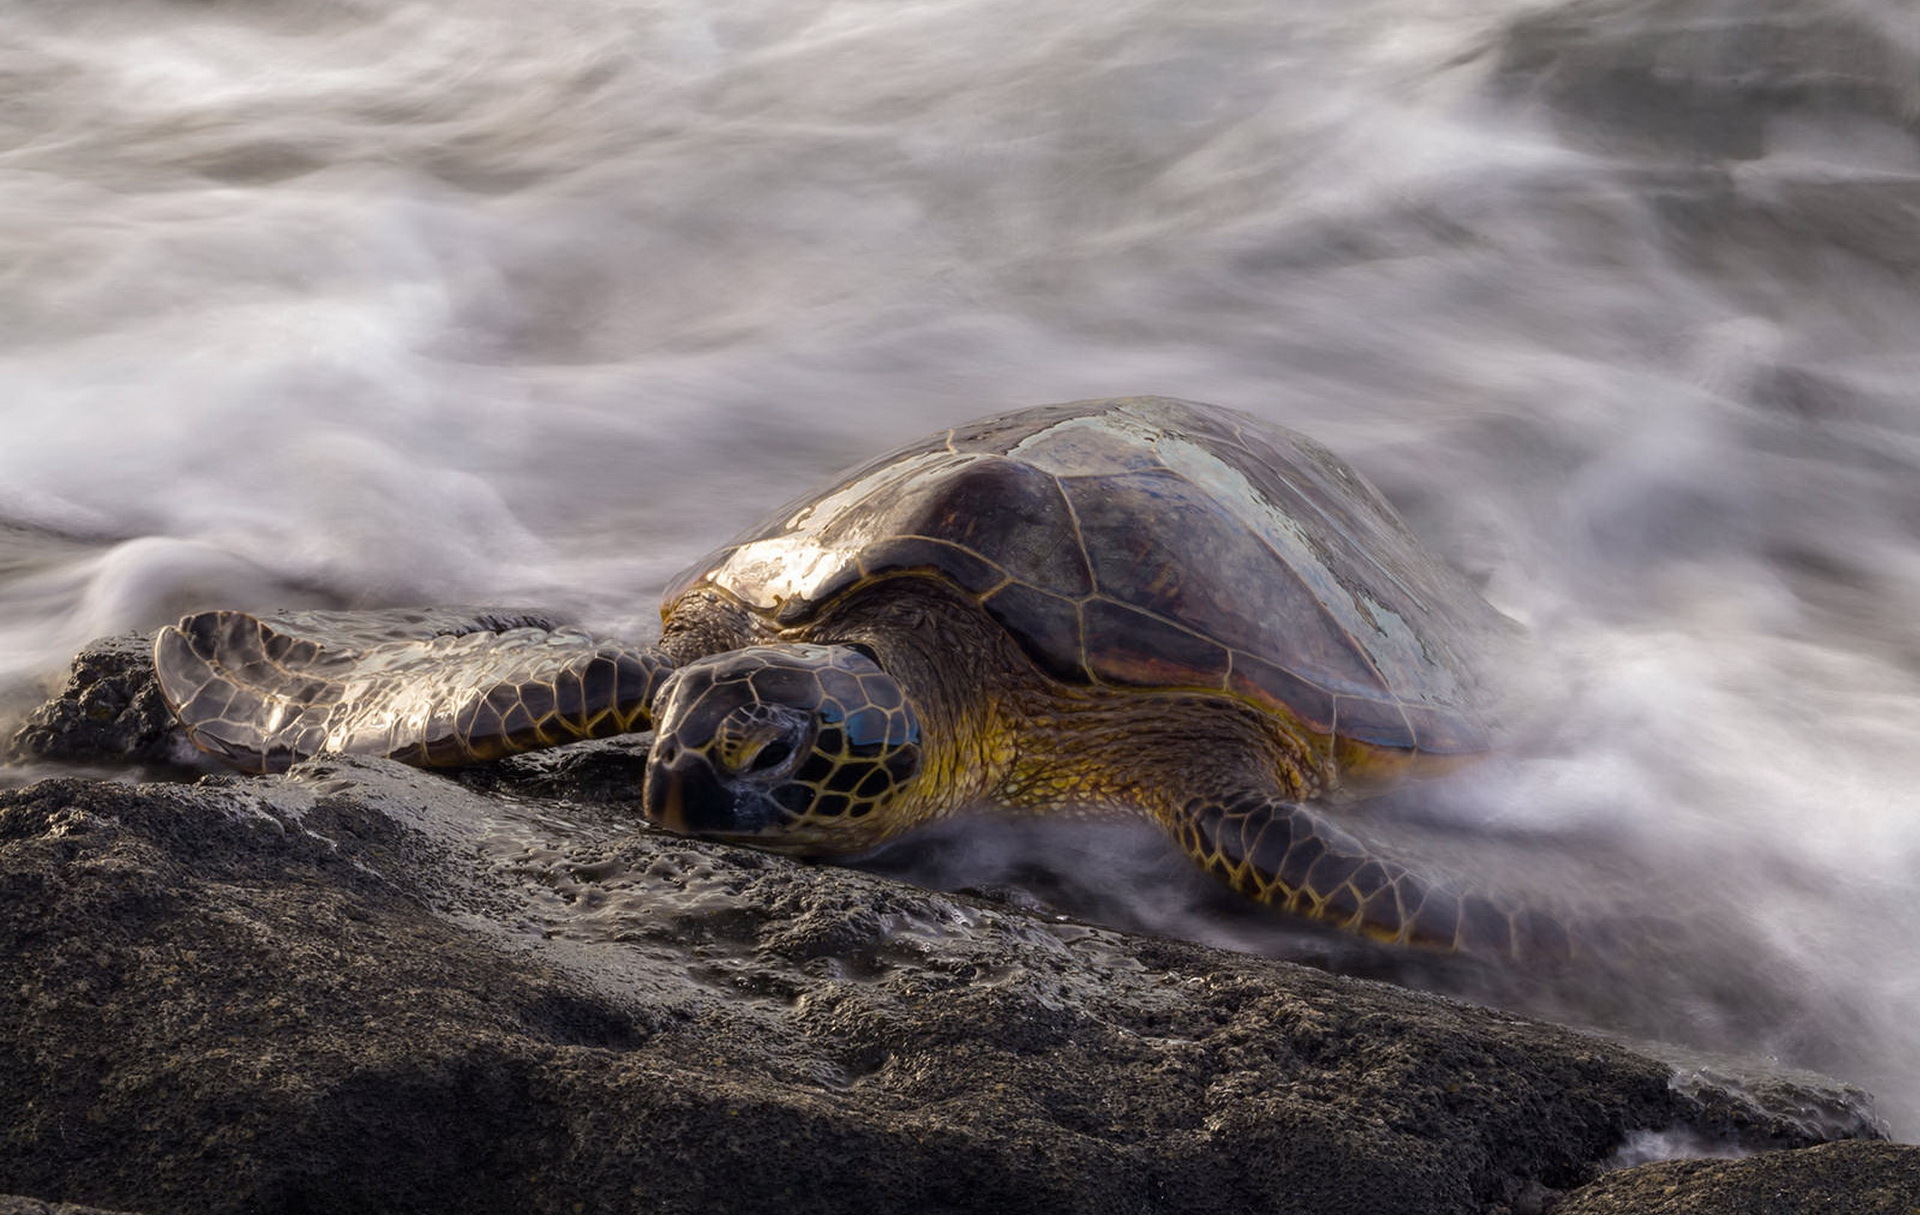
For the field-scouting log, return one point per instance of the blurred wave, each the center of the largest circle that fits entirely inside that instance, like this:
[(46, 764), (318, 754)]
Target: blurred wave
[(326, 302)]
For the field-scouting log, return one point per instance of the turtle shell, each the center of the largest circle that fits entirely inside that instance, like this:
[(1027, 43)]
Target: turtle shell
[(1150, 543)]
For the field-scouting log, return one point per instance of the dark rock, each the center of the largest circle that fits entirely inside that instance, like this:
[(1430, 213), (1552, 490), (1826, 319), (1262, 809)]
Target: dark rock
[(608, 770), (1832, 1179), (109, 711), (1765, 1106), (361, 987), (14, 1205)]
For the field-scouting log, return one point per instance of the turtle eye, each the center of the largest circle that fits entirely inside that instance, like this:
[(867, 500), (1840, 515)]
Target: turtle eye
[(757, 739), (772, 755)]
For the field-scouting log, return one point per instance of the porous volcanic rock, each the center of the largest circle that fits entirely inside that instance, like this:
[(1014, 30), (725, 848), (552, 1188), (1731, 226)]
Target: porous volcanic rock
[(109, 710), (1832, 1179), (362, 987), (11, 1204)]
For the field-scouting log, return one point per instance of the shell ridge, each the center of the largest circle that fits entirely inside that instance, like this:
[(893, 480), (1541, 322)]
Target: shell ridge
[(1261, 627), (1365, 604)]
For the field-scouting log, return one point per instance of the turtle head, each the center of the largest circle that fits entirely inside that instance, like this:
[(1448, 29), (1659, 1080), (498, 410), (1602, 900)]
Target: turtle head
[(794, 747)]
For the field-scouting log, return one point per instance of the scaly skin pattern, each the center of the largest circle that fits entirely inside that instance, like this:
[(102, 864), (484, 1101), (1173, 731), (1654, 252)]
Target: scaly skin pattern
[(737, 718), (1286, 855), (965, 682), (1235, 789), (1229, 781), (260, 698), (1236, 800)]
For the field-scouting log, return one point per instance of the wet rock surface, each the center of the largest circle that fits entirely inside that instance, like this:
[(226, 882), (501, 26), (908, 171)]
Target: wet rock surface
[(363, 987), (109, 711), (15, 1205), (1832, 1179)]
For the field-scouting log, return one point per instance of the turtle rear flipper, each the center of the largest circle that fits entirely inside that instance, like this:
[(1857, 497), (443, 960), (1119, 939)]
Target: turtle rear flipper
[(433, 690), (1286, 854)]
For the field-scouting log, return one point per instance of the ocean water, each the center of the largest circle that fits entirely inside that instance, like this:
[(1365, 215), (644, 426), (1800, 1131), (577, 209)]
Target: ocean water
[(344, 303)]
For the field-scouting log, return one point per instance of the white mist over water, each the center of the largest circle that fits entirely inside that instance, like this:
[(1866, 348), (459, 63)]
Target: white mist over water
[(353, 304)]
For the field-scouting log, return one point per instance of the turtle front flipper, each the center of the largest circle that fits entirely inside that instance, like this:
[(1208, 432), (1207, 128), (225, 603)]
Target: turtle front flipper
[(1285, 854), (417, 688)]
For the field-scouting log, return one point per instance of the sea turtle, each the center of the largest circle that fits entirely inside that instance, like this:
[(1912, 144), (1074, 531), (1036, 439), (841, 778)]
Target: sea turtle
[(1143, 602)]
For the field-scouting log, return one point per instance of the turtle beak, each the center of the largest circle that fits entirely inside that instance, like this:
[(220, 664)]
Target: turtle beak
[(686, 796)]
